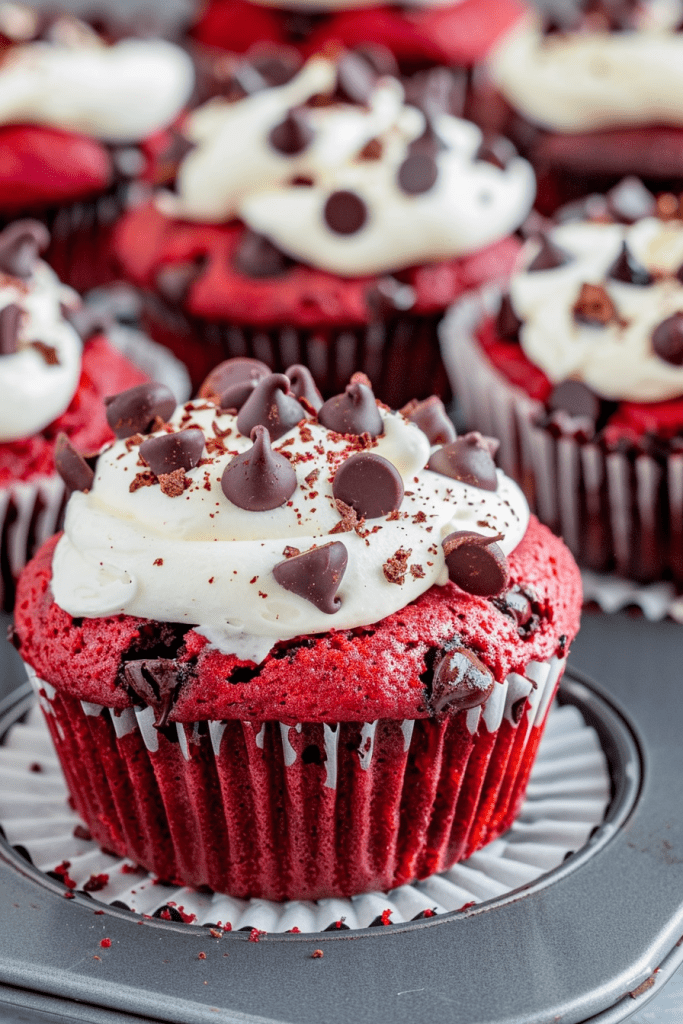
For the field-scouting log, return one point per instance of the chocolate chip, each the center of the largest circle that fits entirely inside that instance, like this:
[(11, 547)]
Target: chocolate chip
[(369, 484), (257, 257), (431, 417), (517, 605), (156, 682), (71, 466), (174, 280), (276, 67), (667, 339), (574, 398), (345, 212), (303, 385), (628, 269), (461, 681), (20, 245), (259, 479), (168, 452), (593, 307), (387, 296), (629, 200), (10, 322), (429, 143), (496, 150), (378, 57), (549, 257), (417, 174), (315, 575), (134, 411), (231, 382), (469, 459), (356, 78), (507, 321), (354, 412), (292, 135), (475, 563), (271, 405)]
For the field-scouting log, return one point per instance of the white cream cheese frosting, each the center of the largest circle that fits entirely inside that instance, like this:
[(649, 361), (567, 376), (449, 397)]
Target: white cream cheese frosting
[(118, 93), (36, 387), (616, 360), (198, 559), (587, 80), (236, 171)]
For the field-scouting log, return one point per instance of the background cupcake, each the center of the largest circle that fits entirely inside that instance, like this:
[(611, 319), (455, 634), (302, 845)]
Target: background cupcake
[(327, 221), (582, 361), (592, 93), (302, 705), (73, 127)]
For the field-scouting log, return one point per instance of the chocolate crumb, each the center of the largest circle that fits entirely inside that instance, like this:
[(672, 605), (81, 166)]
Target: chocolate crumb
[(144, 479), (317, 954), (396, 567), (48, 352), (158, 561), (173, 484), (290, 552), (417, 572)]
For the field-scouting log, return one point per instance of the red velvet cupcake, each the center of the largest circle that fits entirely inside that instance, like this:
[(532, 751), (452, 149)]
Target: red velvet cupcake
[(73, 129), (581, 364), (329, 221), (313, 663)]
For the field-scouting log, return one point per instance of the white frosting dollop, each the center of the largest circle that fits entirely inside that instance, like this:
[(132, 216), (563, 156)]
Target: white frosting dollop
[(582, 81), (33, 390), (118, 93), (235, 170), (198, 559), (618, 360)]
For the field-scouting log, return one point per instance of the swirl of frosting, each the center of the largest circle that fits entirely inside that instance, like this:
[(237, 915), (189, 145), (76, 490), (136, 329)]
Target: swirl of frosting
[(593, 317), (118, 93), (417, 190), (40, 352), (187, 554), (582, 81)]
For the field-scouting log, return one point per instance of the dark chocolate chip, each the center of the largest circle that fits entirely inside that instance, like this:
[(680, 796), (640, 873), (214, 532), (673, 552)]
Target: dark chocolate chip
[(431, 417), (496, 150), (315, 575), (231, 382), (594, 307), (292, 135), (354, 412), (134, 411), (174, 280), (629, 200), (303, 385), (168, 452), (667, 339), (576, 399), (259, 479), (71, 466), (429, 143), (388, 296), (10, 322), (549, 257), (628, 269), (475, 563), (417, 174), (276, 67), (271, 405), (20, 245), (257, 257), (371, 485), (356, 78), (516, 605), (345, 212), (380, 58), (461, 681), (156, 682), (507, 321), (469, 459)]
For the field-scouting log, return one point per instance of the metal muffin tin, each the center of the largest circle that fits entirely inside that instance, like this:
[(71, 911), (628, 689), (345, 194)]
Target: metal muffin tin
[(572, 946)]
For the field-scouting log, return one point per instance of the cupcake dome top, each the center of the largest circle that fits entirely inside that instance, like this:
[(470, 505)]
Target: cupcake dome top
[(267, 515)]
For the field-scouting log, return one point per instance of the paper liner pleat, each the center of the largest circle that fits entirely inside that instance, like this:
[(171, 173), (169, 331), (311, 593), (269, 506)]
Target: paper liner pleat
[(566, 799), (617, 510), (309, 810)]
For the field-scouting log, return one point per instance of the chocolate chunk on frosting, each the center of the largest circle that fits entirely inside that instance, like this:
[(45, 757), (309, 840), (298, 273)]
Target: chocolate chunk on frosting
[(259, 479), (628, 269), (667, 339), (549, 256), (231, 382), (135, 411), (315, 575), (577, 400), (507, 321), (476, 563), (10, 323), (292, 135), (432, 419), (369, 484), (169, 452), (271, 405), (417, 174), (257, 257), (345, 212), (470, 459), (354, 412), (303, 385), (356, 78), (594, 307), (461, 681), (71, 466), (20, 245)]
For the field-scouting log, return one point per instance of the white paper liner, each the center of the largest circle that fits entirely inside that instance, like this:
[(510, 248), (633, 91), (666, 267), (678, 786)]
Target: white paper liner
[(611, 593), (567, 796)]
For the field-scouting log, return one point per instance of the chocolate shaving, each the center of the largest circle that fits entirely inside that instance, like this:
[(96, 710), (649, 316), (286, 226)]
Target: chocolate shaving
[(396, 567)]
